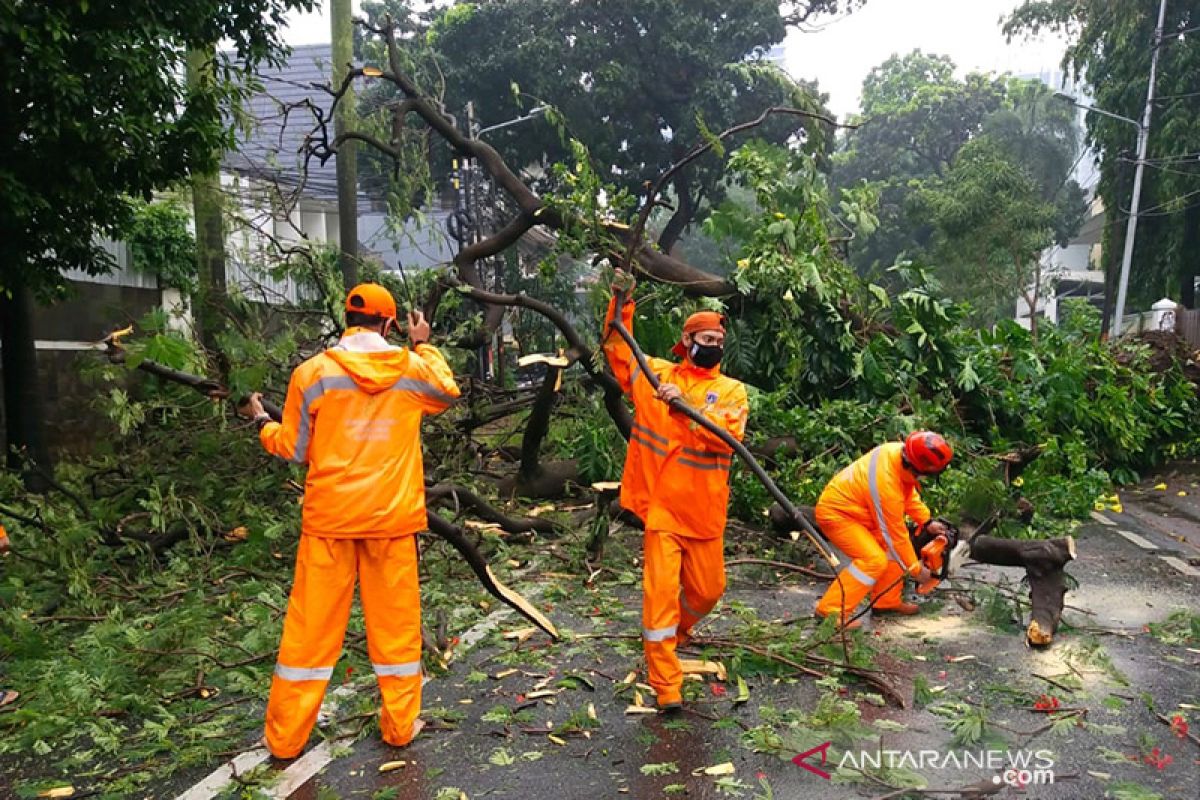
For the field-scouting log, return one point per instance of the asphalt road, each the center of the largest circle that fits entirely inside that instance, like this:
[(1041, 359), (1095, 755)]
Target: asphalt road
[(1134, 568)]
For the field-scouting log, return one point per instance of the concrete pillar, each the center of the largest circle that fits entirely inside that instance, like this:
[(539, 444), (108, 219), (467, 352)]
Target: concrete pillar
[(313, 225), (179, 314), (1163, 315)]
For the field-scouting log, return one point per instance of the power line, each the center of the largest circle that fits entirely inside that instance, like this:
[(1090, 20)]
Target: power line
[(1149, 211)]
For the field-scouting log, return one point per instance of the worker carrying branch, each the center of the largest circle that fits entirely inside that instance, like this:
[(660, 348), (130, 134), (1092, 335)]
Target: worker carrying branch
[(862, 512), (353, 415), (676, 480)]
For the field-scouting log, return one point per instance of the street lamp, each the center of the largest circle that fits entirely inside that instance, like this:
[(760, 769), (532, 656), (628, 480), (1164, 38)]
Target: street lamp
[(1143, 129), (533, 112), (1131, 225), (467, 218), (1101, 111)]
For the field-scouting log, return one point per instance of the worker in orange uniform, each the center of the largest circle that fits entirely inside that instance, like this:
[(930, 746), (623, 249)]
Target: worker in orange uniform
[(676, 480), (353, 415), (862, 512)]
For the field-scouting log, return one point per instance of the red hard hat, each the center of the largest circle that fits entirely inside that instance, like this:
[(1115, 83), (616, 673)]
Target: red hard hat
[(927, 452)]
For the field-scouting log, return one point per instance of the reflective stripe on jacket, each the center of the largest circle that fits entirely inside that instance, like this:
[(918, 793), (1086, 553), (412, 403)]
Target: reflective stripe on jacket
[(353, 415), (877, 492), (676, 474)]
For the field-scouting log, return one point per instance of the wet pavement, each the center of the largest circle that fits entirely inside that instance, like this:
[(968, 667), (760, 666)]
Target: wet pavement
[(492, 735)]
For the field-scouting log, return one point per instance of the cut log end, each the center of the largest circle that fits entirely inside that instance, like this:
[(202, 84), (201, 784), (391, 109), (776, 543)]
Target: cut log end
[(1036, 636)]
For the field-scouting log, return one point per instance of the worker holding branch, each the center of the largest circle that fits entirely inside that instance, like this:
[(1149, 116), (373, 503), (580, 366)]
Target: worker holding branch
[(676, 480), (862, 512), (353, 416)]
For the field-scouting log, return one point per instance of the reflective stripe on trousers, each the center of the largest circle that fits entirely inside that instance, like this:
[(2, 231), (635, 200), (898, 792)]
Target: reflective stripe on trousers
[(859, 575), (405, 669), (303, 673), (658, 634)]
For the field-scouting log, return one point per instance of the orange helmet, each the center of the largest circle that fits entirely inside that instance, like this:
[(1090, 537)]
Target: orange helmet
[(371, 299), (928, 453)]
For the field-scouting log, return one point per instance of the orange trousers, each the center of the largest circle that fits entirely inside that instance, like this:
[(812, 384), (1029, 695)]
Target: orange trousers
[(683, 579), (870, 570), (317, 613)]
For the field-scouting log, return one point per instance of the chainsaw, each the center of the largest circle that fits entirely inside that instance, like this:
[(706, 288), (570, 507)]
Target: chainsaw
[(940, 553)]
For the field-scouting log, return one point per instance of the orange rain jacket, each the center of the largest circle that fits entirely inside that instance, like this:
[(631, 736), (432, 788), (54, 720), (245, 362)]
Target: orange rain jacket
[(353, 414), (676, 473), (877, 492)]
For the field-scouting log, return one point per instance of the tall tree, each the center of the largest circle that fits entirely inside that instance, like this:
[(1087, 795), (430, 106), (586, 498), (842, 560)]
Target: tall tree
[(210, 224), (918, 115), (639, 80), (1110, 47), (347, 165), (991, 225), (95, 108)]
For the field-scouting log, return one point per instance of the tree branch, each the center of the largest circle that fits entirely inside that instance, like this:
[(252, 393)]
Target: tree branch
[(612, 390)]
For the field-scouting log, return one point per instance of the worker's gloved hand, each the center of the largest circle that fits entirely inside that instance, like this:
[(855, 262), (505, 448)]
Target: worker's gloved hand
[(5, 545), (668, 392), (936, 527), (924, 576), (623, 282), (252, 407), (418, 328)]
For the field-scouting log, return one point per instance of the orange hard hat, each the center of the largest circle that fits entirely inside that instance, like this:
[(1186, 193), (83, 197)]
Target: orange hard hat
[(927, 452), (700, 321), (371, 299)]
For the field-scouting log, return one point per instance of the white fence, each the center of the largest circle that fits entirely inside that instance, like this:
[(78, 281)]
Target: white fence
[(122, 275)]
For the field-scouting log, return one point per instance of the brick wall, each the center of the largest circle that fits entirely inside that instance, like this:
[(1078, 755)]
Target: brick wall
[(92, 310)]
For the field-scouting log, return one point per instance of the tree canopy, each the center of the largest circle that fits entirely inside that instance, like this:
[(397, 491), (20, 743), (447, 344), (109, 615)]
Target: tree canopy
[(640, 81), (946, 154), (95, 109)]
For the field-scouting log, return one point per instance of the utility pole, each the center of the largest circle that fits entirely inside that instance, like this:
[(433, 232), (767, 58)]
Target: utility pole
[(1142, 142), (347, 166)]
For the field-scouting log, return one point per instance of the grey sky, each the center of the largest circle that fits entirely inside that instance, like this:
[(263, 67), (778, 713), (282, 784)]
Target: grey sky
[(844, 50)]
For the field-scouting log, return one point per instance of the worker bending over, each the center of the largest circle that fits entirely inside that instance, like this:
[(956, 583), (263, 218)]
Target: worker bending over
[(862, 512)]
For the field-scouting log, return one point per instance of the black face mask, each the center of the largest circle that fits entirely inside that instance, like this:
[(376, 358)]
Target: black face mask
[(705, 356)]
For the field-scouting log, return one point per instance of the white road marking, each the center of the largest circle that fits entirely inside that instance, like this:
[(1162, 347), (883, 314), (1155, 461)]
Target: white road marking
[(1145, 544), (300, 771), (1182, 566), (1103, 520), (220, 777)]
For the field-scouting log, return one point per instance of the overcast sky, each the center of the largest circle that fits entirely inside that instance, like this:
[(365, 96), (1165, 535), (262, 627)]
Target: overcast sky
[(844, 50)]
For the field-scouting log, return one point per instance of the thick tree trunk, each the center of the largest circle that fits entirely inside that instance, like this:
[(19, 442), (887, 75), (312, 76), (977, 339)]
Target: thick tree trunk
[(538, 424), (209, 306), (342, 26), (533, 479), (684, 212), (25, 429)]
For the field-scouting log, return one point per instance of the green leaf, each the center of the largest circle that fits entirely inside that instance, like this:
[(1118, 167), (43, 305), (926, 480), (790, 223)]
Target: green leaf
[(880, 294), (663, 768)]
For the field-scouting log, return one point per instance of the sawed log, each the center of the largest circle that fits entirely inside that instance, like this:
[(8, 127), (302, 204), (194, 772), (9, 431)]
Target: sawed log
[(1043, 560)]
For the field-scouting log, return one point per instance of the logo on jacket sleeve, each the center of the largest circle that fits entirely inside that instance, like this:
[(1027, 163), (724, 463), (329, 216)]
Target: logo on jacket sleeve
[(710, 398)]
